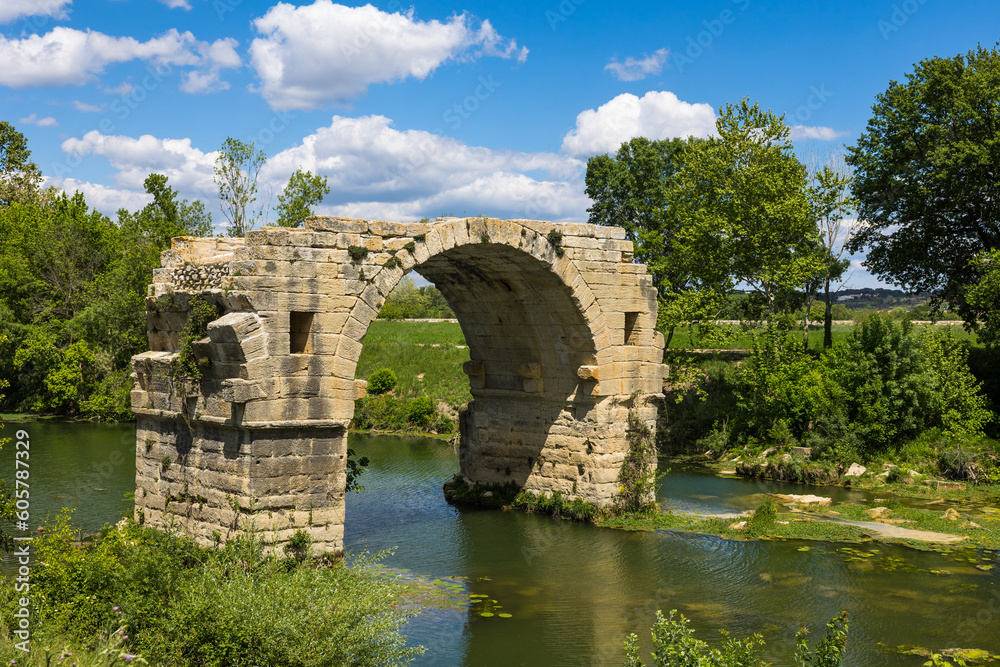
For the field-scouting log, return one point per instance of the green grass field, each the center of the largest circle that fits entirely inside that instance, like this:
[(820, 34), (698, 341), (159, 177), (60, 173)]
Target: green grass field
[(437, 350), (427, 358), (686, 338)]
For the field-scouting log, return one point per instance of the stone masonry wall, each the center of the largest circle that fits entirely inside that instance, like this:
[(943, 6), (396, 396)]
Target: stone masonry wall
[(559, 322)]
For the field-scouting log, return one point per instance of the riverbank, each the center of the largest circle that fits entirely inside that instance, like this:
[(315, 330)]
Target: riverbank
[(936, 525)]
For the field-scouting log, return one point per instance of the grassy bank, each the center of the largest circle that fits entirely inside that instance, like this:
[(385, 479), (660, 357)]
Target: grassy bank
[(426, 359)]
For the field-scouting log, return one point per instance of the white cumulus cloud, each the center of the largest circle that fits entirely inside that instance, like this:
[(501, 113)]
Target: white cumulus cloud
[(373, 170), (187, 168), (11, 10), (819, 133), (369, 164), (176, 4), (635, 70), (33, 119), (316, 54), (105, 199), (656, 115), (65, 56)]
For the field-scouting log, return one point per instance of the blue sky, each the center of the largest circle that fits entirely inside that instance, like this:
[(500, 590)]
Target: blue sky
[(435, 108)]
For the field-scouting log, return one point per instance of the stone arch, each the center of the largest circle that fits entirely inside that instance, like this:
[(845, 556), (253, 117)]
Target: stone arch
[(559, 320)]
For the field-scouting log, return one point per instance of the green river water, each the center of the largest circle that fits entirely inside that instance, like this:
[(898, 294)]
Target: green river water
[(573, 591)]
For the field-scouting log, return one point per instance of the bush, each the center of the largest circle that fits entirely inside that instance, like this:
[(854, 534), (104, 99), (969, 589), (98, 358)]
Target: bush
[(384, 412), (381, 381), (883, 387), (898, 382), (421, 411), (183, 606), (763, 517), (674, 645), (444, 424)]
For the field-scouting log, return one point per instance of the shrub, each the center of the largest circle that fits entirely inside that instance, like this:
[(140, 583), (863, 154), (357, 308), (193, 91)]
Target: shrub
[(184, 606), (357, 252), (383, 412), (763, 517), (880, 389), (637, 476), (898, 382), (421, 411), (674, 645), (381, 381), (298, 544), (444, 424)]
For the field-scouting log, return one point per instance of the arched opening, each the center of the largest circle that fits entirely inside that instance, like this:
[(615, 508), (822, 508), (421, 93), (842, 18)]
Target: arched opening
[(527, 338)]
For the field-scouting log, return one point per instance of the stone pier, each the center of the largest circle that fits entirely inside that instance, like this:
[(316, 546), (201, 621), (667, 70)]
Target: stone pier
[(247, 392)]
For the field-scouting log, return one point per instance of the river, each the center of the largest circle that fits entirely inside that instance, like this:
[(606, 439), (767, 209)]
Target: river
[(568, 593)]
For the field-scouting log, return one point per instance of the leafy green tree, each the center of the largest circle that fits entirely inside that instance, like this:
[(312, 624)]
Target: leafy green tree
[(71, 379), (304, 190), (237, 173), (165, 217), (407, 301), (984, 296), (925, 176), (630, 190), (743, 200), (20, 178), (70, 246), (832, 203)]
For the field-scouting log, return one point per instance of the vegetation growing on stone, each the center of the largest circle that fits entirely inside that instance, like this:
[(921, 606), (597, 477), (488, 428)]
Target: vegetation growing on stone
[(637, 477), (357, 252), (185, 364)]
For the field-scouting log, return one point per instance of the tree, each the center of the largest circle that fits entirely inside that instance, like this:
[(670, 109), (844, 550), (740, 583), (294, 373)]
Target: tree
[(630, 191), (237, 172), (304, 190), (926, 179), (743, 201), (984, 296), (19, 177), (165, 217), (832, 203)]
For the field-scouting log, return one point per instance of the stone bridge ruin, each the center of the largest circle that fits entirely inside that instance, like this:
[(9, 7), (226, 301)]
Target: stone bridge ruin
[(244, 400)]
